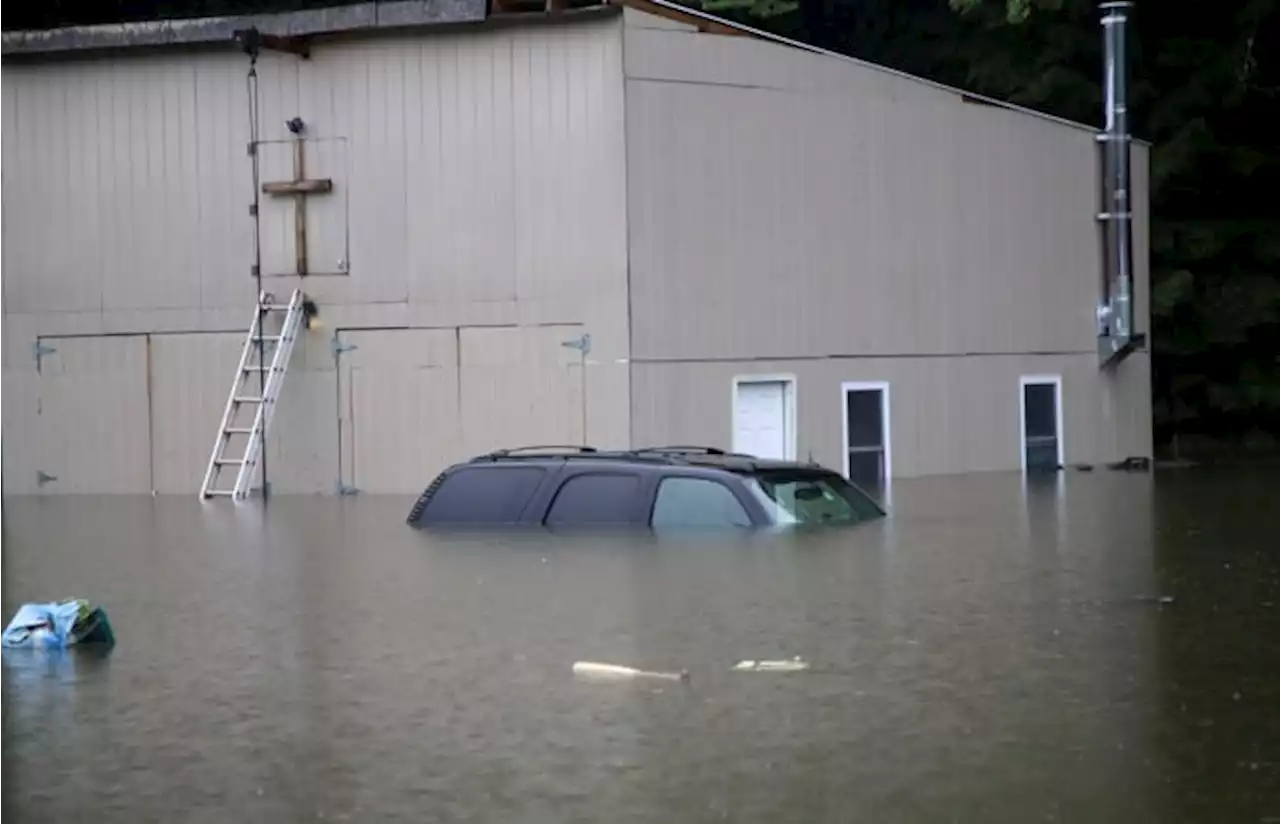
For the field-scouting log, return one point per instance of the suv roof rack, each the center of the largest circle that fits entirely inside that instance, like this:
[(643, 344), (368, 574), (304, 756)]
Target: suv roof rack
[(681, 449), (674, 454), (517, 450)]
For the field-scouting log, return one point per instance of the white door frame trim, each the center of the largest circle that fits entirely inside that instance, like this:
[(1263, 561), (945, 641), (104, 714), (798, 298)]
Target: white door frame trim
[(886, 432), (1040, 380), (789, 409)]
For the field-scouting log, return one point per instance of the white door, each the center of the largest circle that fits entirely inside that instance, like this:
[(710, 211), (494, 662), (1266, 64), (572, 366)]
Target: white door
[(761, 426)]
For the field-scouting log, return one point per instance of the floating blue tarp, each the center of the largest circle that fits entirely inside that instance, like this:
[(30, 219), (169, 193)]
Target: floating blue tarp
[(58, 624)]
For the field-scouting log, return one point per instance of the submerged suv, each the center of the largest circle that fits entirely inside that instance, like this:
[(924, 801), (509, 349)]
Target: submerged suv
[(659, 487)]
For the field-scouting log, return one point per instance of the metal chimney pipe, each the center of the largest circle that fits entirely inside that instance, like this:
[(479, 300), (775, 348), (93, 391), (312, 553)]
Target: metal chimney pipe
[(1115, 311)]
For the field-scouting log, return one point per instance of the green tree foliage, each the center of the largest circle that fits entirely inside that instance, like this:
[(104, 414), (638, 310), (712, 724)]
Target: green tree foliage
[(1016, 11)]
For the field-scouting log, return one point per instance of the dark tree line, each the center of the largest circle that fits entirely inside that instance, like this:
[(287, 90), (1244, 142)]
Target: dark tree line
[(1206, 84)]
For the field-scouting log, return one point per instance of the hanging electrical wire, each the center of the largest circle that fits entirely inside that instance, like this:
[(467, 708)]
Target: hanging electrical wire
[(251, 88)]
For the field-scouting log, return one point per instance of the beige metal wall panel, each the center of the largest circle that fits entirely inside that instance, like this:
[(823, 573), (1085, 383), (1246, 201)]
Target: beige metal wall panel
[(190, 379), (221, 226), (1124, 407), (7, 138), (399, 408), (478, 178), (521, 386), (302, 452), (4, 321), (44, 270), (482, 168), (1140, 183), (947, 414), (517, 158), (94, 426), (21, 419), (110, 183), (786, 204), (468, 168), (7, 128)]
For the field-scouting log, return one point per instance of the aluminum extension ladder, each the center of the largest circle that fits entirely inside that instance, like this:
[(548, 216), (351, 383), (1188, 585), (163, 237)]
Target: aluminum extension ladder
[(247, 415)]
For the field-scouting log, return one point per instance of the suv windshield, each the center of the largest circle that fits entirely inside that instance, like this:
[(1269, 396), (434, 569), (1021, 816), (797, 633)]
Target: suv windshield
[(802, 497)]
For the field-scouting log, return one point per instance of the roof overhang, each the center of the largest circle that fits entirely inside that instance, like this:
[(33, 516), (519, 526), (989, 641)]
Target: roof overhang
[(277, 28)]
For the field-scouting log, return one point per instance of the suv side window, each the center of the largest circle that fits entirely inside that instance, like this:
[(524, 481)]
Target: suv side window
[(697, 502), (489, 495), (595, 498)]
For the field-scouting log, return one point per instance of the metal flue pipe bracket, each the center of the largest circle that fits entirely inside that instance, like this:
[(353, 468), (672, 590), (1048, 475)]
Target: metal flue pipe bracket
[(1116, 336)]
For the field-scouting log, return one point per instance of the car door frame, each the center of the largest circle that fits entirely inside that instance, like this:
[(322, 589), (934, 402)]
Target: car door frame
[(755, 512), (540, 505)]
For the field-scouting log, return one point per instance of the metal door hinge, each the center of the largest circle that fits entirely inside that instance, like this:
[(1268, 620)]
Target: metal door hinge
[(39, 350), (342, 489), (43, 478), (582, 344), (337, 346)]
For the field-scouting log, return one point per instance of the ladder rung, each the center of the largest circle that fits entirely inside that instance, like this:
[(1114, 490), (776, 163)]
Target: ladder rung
[(271, 367)]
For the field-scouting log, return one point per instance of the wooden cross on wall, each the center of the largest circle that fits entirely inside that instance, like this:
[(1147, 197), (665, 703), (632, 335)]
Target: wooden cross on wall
[(298, 188)]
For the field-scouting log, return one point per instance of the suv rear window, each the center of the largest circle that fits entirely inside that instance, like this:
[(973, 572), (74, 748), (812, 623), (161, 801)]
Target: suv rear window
[(801, 497), (483, 495)]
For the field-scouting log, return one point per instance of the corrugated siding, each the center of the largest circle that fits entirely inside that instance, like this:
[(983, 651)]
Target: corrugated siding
[(21, 425), (478, 180), (787, 204), (399, 408), (93, 429), (412, 401), (133, 182), (947, 415), (190, 379), (521, 386), (796, 213)]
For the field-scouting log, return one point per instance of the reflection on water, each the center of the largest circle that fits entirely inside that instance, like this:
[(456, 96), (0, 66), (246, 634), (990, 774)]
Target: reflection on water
[(992, 652)]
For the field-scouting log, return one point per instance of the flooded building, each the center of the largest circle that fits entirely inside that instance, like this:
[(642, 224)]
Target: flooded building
[(619, 224)]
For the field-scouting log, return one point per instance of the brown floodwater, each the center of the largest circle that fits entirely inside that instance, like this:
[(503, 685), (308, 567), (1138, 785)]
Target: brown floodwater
[(993, 652)]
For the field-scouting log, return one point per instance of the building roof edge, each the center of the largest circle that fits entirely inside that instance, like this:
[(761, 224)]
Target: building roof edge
[(674, 10), (358, 17)]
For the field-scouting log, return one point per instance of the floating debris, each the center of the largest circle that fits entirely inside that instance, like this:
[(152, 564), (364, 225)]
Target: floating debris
[(796, 664), (58, 624), (595, 670)]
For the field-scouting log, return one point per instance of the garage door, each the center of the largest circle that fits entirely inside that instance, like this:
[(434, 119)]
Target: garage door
[(521, 386), (397, 408), (93, 422), (190, 376)]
